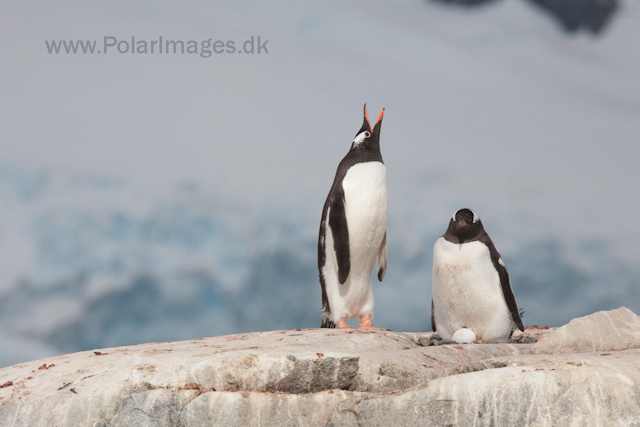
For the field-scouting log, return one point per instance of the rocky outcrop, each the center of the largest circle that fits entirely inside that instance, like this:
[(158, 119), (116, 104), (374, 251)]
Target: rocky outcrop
[(603, 331), (333, 377)]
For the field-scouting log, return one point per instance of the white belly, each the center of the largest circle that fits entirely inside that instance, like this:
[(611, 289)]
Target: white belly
[(467, 293), (365, 190)]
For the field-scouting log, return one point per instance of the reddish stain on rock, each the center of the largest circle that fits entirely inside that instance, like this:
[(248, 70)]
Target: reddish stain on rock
[(192, 386)]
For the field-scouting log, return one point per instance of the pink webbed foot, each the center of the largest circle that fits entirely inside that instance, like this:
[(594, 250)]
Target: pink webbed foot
[(365, 324), (342, 324)]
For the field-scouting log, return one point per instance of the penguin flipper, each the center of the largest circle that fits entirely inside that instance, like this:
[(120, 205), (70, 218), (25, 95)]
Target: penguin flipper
[(433, 319), (505, 282), (340, 234), (510, 298), (382, 258)]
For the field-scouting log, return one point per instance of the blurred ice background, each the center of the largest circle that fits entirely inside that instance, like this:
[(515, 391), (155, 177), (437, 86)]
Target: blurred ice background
[(168, 197)]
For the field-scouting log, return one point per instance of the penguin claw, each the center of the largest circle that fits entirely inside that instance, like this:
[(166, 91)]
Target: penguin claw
[(426, 343), (522, 339), (433, 340)]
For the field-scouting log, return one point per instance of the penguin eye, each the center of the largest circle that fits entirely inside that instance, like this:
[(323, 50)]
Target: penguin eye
[(361, 137)]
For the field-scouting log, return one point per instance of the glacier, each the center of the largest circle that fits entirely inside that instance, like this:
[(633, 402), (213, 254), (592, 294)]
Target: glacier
[(108, 268)]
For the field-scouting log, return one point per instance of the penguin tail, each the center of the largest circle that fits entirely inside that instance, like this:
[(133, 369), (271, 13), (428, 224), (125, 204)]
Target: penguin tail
[(326, 323), (326, 317), (325, 310)]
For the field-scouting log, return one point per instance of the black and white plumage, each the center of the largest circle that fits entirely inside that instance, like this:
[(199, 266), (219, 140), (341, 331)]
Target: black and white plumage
[(470, 285), (353, 231)]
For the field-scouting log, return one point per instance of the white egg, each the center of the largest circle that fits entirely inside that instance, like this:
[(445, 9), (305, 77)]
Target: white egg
[(464, 336)]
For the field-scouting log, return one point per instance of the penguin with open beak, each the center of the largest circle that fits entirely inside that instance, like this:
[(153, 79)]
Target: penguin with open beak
[(353, 232)]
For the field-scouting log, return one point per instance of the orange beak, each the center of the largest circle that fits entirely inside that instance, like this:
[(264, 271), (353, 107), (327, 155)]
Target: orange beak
[(366, 116), (380, 116)]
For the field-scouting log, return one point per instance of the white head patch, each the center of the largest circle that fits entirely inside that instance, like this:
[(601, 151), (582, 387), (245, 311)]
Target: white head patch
[(361, 137), (476, 218)]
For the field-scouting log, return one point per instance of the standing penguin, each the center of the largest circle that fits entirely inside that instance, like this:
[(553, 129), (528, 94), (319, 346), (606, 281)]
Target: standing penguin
[(353, 231), (470, 285)]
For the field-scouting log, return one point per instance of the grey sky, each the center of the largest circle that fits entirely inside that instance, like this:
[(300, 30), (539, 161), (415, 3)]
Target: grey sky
[(510, 112)]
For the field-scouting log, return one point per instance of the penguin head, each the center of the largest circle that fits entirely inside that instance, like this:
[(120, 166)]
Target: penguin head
[(465, 225), (367, 136)]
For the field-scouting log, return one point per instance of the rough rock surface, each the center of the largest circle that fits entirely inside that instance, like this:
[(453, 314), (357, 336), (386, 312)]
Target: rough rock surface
[(333, 377), (605, 330)]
